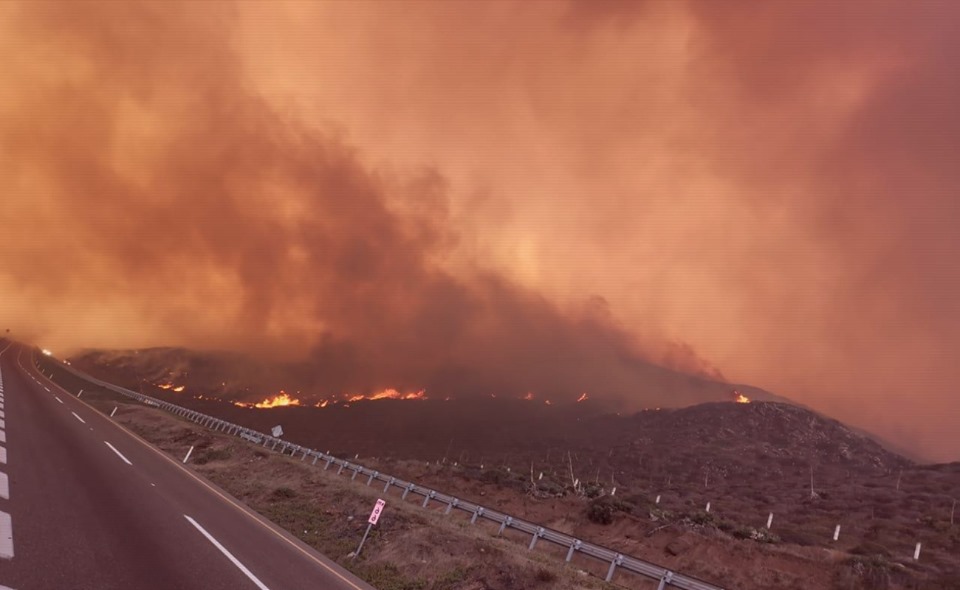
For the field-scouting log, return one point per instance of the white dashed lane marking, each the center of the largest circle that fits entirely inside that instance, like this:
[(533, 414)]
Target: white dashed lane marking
[(3, 455), (6, 536), (78, 417), (119, 454), (4, 486), (58, 399)]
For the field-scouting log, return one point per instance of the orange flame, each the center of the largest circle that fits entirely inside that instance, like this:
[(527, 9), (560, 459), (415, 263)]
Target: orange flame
[(740, 398), (171, 386), (280, 400), (388, 394), (583, 396)]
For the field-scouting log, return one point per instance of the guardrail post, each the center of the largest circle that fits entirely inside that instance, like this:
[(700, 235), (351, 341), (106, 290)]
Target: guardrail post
[(406, 491), (613, 566), (356, 470), (389, 483), (426, 499), (476, 513), (575, 546), (315, 457), (305, 453), (329, 461), (372, 476), (665, 579), (342, 465), (506, 522), (453, 504), (536, 536)]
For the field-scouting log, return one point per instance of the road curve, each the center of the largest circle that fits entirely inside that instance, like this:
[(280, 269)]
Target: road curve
[(85, 504)]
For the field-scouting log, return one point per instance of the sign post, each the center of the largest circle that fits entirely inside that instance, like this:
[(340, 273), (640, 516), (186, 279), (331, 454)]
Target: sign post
[(374, 517)]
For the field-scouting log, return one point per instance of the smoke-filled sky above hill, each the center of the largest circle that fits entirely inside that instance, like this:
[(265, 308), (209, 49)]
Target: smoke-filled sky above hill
[(499, 195)]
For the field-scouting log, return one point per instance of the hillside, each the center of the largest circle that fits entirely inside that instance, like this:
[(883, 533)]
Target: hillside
[(558, 465), (236, 377), (640, 483)]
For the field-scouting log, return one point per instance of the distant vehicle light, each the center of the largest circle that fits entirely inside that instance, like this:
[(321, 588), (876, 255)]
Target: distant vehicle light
[(46, 352)]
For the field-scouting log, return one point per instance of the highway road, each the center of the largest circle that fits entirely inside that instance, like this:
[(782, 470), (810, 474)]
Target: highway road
[(85, 504)]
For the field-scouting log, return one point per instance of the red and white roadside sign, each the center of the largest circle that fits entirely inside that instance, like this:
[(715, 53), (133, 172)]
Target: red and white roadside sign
[(375, 515)]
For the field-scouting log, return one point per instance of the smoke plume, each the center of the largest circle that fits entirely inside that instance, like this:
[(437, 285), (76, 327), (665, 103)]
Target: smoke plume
[(499, 196)]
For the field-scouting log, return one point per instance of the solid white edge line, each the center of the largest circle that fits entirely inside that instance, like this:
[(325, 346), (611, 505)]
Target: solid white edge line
[(4, 486), (6, 536), (119, 454), (229, 555), (78, 417)]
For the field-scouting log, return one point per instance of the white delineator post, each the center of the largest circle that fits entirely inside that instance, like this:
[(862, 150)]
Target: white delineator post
[(836, 533), (188, 455), (916, 552), (708, 507), (769, 521), (374, 517), (114, 411), (81, 393)]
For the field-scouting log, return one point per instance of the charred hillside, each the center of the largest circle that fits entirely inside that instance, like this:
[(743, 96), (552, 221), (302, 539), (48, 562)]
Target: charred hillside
[(237, 377)]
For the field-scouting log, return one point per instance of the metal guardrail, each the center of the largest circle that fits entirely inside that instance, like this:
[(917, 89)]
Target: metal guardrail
[(665, 577)]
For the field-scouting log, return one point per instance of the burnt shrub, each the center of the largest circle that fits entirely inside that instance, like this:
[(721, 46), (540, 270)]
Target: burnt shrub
[(601, 510), (283, 493), (545, 575), (801, 538), (870, 549)]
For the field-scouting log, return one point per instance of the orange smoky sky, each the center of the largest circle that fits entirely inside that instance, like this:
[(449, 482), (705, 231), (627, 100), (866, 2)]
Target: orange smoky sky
[(514, 195)]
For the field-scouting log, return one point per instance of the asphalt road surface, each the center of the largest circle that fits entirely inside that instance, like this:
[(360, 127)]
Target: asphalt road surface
[(85, 504)]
